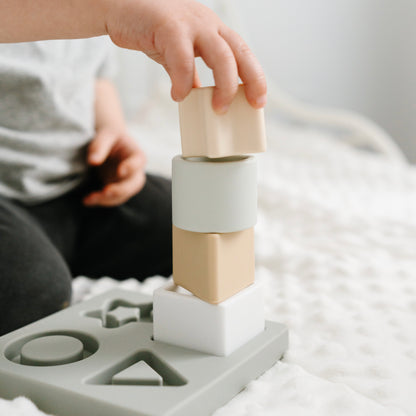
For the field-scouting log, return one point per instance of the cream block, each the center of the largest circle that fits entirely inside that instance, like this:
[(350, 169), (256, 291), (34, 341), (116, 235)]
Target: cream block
[(212, 266), (183, 319), (204, 133), (214, 196)]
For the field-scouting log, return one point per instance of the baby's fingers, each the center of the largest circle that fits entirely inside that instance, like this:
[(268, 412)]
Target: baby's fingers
[(249, 69), (132, 165), (218, 56), (180, 65), (120, 192), (117, 193), (100, 147)]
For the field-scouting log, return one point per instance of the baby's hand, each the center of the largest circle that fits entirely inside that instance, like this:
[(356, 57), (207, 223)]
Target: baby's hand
[(121, 164), (174, 32)]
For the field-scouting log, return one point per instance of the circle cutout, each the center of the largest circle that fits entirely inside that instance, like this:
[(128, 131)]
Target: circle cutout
[(52, 350)]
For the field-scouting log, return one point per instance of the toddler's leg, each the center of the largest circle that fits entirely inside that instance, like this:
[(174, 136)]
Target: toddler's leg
[(34, 279), (131, 240)]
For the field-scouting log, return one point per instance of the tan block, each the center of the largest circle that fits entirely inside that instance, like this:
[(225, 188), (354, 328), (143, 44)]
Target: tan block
[(205, 133), (213, 266)]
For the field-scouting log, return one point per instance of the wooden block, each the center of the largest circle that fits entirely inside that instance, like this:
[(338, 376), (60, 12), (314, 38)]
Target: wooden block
[(213, 266), (204, 133)]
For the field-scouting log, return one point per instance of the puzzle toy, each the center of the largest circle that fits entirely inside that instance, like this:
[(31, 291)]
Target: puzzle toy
[(204, 337), (214, 209), (73, 364)]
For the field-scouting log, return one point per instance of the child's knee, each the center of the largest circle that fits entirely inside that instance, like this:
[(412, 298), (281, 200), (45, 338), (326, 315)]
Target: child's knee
[(34, 279), (29, 298)]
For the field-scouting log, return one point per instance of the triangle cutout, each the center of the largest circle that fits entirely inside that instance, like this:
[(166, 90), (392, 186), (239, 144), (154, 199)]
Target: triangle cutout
[(138, 374), (143, 368)]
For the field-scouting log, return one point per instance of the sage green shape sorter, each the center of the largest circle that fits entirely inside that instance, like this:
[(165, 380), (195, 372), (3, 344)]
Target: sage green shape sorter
[(98, 358)]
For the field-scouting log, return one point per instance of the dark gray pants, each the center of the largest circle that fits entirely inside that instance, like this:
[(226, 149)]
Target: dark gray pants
[(43, 246)]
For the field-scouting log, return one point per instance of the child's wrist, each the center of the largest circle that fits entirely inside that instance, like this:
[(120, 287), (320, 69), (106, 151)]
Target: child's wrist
[(100, 10)]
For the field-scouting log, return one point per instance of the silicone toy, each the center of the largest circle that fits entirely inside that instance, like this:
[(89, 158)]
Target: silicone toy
[(213, 266), (52, 350), (214, 196), (204, 133), (121, 316), (120, 368), (185, 320), (138, 374)]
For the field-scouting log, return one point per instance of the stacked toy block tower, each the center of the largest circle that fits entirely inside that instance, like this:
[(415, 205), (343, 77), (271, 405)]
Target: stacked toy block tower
[(214, 204)]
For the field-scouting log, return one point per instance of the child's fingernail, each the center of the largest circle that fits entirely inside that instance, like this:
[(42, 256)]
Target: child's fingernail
[(261, 101), (222, 110), (94, 157)]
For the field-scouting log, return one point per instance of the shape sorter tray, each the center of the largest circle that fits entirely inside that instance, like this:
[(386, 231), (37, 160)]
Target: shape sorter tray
[(98, 358)]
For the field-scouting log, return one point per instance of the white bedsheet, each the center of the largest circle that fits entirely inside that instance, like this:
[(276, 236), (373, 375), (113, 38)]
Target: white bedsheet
[(336, 250)]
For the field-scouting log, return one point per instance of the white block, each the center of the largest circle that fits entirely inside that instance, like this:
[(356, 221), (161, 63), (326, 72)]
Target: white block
[(204, 133), (214, 196), (182, 319)]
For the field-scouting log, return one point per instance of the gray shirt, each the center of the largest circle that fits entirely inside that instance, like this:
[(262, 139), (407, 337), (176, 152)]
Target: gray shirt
[(47, 114)]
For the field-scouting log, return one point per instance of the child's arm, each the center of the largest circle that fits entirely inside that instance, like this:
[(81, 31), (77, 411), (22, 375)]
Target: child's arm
[(117, 155), (172, 32)]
